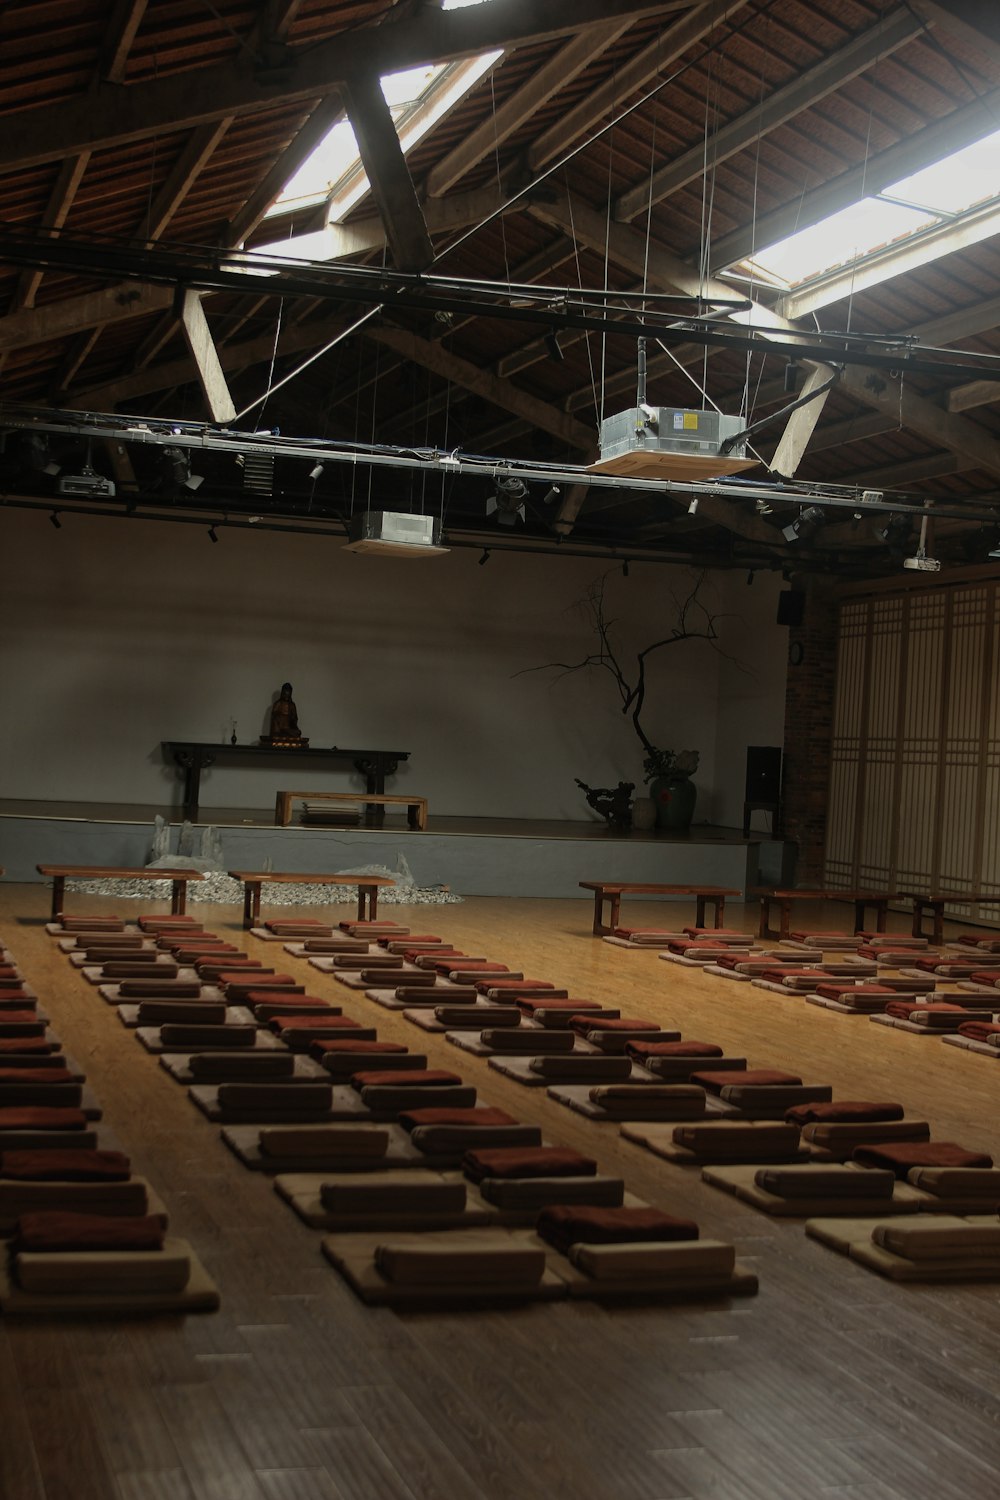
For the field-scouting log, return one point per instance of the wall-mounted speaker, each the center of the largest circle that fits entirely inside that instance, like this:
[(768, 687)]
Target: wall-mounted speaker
[(763, 773), (791, 607)]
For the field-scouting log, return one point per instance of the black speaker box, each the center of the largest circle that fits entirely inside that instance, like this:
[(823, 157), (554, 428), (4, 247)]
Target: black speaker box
[(763, 773), (791, 607)]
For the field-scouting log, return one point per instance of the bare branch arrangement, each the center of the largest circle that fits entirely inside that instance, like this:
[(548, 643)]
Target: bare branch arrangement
[(694, 621)]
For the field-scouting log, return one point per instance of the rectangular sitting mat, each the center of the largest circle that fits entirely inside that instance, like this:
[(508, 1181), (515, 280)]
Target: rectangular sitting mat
[(317, 1148), (853, 1237), (354, 1256), (393, 1199), (112, 1296), (522, 1070), (133, 1197), (721, 1142), (238, 1034), (835, 1140), (740, 1180), (661, 1102), (663, 1272), (345, 1104), (242, 1065)]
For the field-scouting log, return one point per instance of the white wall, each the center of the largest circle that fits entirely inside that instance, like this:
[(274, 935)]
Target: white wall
[(118, 635)]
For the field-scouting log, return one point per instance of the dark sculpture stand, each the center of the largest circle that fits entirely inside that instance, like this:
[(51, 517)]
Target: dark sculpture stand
[(194, 756)]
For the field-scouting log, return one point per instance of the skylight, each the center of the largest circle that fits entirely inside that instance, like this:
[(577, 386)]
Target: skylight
[(418, 98), (964, 183)]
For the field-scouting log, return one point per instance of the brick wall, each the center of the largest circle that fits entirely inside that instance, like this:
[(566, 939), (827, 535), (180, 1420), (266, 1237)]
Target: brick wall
[(812, 661)]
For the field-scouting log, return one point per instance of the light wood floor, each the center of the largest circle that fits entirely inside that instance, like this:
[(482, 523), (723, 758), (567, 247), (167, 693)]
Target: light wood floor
[(831, 1383)]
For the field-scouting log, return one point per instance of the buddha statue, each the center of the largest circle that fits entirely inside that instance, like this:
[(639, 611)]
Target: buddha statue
[(284, 728)]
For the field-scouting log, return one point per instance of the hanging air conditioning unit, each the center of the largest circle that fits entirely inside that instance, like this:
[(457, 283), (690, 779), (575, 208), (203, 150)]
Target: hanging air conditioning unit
[(671, 442), (395, 534)]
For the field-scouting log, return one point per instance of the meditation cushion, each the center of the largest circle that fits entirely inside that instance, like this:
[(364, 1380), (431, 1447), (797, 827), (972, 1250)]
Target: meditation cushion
[(65, 1166), (746, 1078), (566, 1224), (41, 1118), (508, 1162), (900, 1156), (842, 1110), (441, 1265), (68, 1231), (640, 1050)]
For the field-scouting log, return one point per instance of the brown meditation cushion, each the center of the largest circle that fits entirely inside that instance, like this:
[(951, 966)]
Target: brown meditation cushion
[(515, 984), (838, 990), (509, 1162), (18, 1018), (778, 976), (67, 1231), (754, 1077), (899, 1157), (40, 1118), (979, 1031), (986, 976), (640, 1049), (622, 1023), (841, 1111), (566, 1224), (413, 1078), (903, 1009), (320, 1048), (532, 1003), (410, 1119), (65, 1166), (318, 1021), (33, 1075)]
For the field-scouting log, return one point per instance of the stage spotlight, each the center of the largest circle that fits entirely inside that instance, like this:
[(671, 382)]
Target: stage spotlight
[(693, 507), (485, 557), (507, 502), (551, 495), (315, 471), (806, 524)]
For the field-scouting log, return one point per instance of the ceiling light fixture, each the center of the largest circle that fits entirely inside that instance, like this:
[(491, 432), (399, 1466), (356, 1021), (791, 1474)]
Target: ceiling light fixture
[(554, 347), (55, 521), (212, 534), (806, 524), (485, 557)]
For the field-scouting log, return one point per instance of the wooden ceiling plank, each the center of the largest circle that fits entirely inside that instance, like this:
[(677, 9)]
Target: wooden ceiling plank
[(185, 172), (109, 115), (600, 104), (522, 105), (63, 192), (125, 22), (860, 53)]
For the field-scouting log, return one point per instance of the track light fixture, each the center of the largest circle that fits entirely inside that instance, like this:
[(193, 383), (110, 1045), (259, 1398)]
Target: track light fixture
[(507, 500), (693, 506), (806, 524), (551, 495), (485, 557), (315, 471), (791, 377), (54, 520), (213, 535), (553, 345), (625, 568)]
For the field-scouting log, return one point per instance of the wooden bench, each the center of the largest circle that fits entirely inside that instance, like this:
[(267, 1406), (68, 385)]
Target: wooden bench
[(367, 887), (59, 874), (613, 890), (416, 807), (877, 900), (933, 905)]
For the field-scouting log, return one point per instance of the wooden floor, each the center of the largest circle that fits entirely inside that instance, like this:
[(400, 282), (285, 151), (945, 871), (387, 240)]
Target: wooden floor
[(831, 1383)]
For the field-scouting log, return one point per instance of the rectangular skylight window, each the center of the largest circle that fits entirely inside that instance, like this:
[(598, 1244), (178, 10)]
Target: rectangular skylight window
[(418, 98), (930, 200)]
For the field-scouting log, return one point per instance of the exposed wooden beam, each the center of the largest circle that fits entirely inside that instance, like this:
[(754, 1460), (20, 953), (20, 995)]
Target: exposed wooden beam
[(973, 22), (199, 340), (59, 319), (78, 351), (118, 38), (801, 424), (601, 104), (182, 176), (860, 53), (545, 81), (68, 179), (899, 476), (887, 393), (502, 393), (976, 393), (388, 175), (318, 125), (110, 115)]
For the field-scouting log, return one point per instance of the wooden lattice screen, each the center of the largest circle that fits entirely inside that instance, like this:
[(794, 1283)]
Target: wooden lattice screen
[(915, 766)]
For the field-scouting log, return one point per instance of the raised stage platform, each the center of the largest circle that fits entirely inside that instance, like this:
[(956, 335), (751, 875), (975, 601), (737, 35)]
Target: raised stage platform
[(471, 856)]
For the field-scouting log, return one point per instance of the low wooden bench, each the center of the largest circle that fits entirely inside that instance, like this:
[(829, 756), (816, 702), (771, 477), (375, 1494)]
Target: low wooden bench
[(933, 905), (416, 807), (59, 874), (613, 890), (253, 880), (878, 901)]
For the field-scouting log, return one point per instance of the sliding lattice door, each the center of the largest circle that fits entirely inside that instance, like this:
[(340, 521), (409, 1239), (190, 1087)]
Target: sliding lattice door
[(915, 768)]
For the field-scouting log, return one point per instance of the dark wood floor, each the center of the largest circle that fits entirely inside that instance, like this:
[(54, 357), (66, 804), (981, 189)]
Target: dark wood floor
[(831, 1383)]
